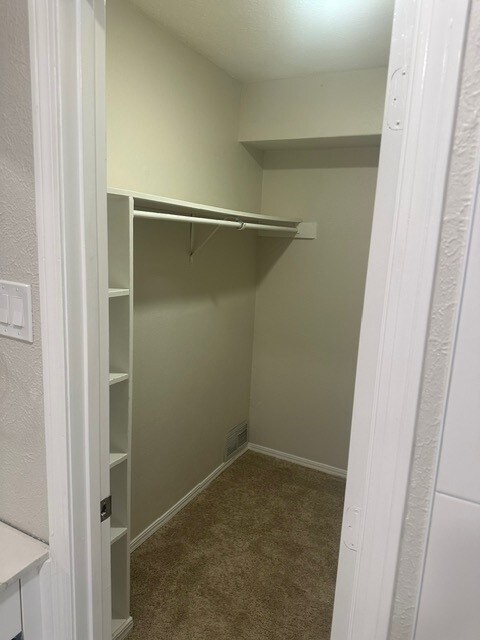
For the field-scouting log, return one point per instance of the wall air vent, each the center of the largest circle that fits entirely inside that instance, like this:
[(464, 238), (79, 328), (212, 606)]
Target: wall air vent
[(237, 439)]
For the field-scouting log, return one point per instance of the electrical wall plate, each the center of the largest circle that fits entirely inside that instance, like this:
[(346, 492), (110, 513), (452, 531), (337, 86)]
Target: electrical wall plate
[(16, 311)]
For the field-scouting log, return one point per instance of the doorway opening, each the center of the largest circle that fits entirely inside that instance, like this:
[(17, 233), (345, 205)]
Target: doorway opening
[(265, 120)]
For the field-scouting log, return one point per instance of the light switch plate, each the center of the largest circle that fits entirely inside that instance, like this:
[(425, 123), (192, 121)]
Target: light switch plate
[(16, 311)]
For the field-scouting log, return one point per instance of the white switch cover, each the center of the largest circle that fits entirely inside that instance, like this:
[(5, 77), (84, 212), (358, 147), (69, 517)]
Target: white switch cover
[(4, 307), (16, 311)]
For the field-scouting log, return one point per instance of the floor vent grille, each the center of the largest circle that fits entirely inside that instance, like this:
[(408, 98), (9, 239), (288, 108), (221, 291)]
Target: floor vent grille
[(237, 439)]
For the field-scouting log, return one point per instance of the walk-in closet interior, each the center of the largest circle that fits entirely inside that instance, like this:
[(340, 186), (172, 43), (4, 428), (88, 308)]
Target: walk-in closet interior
[(233, 339)]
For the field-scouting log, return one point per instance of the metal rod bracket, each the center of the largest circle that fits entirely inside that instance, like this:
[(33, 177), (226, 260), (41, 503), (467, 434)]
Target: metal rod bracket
[(193, 250)]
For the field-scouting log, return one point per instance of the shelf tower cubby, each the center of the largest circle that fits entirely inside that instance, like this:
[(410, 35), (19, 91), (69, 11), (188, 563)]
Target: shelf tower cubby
[(120, 293)]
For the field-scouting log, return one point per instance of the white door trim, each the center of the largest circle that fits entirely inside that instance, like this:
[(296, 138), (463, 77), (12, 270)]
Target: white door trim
[(67, 183), (395, 321)]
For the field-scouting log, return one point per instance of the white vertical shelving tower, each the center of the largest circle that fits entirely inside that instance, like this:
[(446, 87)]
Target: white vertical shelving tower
[(122, 207), (120, 282)]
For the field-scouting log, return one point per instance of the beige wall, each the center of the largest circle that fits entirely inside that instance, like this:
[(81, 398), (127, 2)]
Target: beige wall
[(172, 118), (23, 491), (309, 302), (172, 123), (192, 359), (322, 106)]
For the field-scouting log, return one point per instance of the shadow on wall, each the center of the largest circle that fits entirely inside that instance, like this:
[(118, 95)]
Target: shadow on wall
[(303, 160), (222, 269), (271, 252)]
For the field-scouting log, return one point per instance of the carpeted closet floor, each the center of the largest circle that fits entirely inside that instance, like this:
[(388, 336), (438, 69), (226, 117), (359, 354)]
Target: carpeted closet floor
[(253, 557)]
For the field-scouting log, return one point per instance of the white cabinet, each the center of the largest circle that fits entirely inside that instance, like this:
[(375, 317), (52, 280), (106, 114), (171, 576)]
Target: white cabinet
[(10, 612), (21, 558)]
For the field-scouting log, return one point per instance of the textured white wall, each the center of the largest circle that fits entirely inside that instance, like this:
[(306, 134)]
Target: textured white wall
[(309, 302), (450, 590), (445, 305), (23, 496)]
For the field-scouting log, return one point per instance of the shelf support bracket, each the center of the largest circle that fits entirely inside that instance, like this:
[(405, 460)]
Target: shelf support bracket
[(193, 250), (192, 241)]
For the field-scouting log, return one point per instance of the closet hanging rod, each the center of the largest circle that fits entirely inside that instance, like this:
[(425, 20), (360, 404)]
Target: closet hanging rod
[(233, 224)]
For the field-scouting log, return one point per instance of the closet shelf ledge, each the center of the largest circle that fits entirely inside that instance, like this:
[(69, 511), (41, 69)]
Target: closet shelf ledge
[(117, 458), (160, 204), (117, 377), (116, 293)]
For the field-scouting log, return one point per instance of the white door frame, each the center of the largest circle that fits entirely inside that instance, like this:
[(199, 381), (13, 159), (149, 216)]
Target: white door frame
[(67, 41), (67, 48), (429, 35)]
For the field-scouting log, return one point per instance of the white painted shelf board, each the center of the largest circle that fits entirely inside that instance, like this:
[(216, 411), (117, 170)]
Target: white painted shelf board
[(121, 627), (120, 333), (116, 293), (117, 377), (315, 144), (19, 554), (117, 458), (116, 533), (147, 202)]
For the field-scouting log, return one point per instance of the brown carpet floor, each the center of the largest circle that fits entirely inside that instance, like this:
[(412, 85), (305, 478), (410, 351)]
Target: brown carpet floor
[(253, 557)]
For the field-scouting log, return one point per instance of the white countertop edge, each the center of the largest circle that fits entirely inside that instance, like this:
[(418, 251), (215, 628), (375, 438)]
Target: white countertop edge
[(19, 554)]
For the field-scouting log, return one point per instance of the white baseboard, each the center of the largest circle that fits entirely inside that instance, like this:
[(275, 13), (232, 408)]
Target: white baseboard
[(124, 630), (201, 486), (304, 462), (168, 515)]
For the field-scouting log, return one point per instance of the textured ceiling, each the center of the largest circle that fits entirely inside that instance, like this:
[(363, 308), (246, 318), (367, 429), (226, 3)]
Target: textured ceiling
[(263, 39)]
